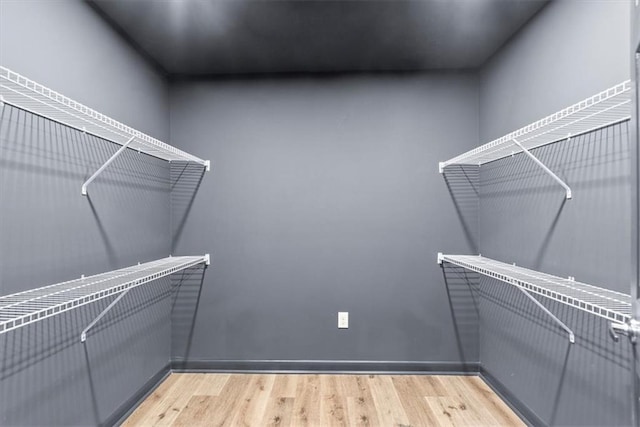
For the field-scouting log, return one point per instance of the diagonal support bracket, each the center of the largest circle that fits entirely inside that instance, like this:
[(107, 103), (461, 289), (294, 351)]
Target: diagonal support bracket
[(83, 335), (104, 166), (544, 167), (572, 337)]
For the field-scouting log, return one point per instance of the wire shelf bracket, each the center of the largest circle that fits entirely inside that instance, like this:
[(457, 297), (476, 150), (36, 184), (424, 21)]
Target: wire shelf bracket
[(605, 303), (28, 95), (24, 308), (572, 336), (544, 168), (83, 335), (606, 108), (104, 166)]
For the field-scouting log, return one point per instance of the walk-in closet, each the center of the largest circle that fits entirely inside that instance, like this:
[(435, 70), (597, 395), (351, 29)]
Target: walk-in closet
[(319, 213)]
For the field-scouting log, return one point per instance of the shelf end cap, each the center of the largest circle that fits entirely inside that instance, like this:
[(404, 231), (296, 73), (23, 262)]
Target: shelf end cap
[(207, 259), (440, 258), (207, 165)]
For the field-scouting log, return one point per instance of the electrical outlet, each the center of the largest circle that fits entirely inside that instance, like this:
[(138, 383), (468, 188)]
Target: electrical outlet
[(343, 320)]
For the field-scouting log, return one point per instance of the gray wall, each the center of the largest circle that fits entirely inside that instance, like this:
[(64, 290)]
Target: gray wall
[(569, 51), (50, 233), (325, 196), (66, 46)]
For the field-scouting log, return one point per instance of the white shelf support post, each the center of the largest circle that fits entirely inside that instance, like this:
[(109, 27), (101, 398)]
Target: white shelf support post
[(83, 335), (544, 167), (572, 337), (105, 165)]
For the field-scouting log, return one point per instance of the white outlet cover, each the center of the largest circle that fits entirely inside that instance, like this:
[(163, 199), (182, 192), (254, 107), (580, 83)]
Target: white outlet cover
[(343, 320)]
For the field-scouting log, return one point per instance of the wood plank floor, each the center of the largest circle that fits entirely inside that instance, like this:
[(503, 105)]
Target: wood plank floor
[(322, 400)]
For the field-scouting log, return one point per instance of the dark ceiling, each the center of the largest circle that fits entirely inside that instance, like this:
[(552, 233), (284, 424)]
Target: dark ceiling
[(195, 37)]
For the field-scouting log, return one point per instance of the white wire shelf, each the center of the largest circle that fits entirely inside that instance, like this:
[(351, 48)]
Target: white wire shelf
[(611, 305), (35, 98), (23, 308), (606, 108)]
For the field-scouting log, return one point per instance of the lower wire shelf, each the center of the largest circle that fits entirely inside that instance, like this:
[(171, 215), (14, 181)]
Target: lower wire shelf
[(23, 308), (605, 303)]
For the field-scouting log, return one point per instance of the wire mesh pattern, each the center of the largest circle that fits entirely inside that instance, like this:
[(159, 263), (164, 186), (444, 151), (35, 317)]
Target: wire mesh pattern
[(611, 305), (30, 96), (606, 108), (23, 308)]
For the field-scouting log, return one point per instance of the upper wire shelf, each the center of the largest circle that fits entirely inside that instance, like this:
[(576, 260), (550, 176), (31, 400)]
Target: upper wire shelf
[(35, 98), (605, 303), (606, 108), (23, 308)]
